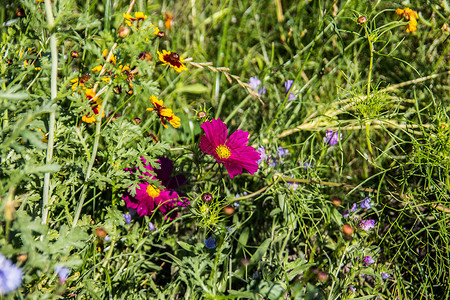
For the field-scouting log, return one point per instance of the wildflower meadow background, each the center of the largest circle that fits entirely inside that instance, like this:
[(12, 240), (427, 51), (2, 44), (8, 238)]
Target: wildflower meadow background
[(224, 149)]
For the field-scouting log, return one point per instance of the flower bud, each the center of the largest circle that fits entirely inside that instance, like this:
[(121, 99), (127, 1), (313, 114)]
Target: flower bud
[(123, 31), (74, 54), (20, 12), (336, 202), (228, 210), (207, 197), (362, 20), (347, 229), (201, 114)]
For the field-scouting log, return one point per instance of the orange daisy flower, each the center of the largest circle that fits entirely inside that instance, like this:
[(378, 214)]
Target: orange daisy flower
[(410, 16), (172, 59), (165, 114), (95, 107)]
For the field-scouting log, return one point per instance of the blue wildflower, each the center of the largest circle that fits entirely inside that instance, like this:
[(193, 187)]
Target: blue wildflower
[(288, 86), (10, 276), (262, 152), (282, 152), (354, 207), (63, 273), (366, 225), (331, 137), (385, 275), (262, 90), (368, 260), (210, 243), (366, 203), (254, 82), (346, 214), (127, 218), (151, 227), (307, 166)]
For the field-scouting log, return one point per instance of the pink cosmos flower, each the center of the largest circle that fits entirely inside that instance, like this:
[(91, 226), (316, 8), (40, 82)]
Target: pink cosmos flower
[(233, 152), (149, 197)]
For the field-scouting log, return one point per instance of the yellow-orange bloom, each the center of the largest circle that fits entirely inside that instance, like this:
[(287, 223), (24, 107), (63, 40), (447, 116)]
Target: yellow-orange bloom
[(113, 57), (165, 114), (91, 117), (138, 16), (409, 15), (172, 59)]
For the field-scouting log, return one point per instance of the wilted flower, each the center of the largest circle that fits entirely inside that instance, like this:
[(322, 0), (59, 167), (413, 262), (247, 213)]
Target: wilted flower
[(10, 276), (385, 275), (366, 203), (409, 15), (63, 273), (233, 152), (149, 197), (288, 86), (368, 260), (366, 225), (172, 59), (165, 114), (210, 243), (332, 138)]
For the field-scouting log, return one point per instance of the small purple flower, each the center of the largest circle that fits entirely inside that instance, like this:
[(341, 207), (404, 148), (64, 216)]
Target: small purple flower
[(368, 260), (10, 276), (262, 90), (385, 275), (331, 137), (366, 203), (366, 225), (282, 152), (346, 214), (288, 86), (307, 166), (210, 243), (352, 289), (262, 152), (63, 273), (254, 82), (293, 184), (151, 227), (107, 238), (127, 218), (354, 207)]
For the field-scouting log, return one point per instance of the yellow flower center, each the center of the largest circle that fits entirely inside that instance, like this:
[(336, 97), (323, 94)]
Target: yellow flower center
[(153, 191), (223, 151)]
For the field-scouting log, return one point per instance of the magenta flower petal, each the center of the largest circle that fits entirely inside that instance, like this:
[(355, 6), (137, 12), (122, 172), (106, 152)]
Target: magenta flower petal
[(233, 152), (216, 132), (165, 199)]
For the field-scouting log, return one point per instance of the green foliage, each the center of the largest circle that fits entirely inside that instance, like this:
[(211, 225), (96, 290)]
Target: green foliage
[(79, 134)]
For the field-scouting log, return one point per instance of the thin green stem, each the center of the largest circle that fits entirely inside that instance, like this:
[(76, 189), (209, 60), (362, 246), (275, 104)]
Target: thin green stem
[(369, 80), (92, 161), (52, 118)]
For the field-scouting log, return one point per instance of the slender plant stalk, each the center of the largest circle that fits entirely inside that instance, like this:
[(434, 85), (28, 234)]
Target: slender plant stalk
[(93, 157), (52, 117), (369, 80)]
